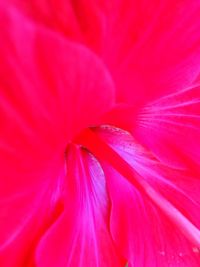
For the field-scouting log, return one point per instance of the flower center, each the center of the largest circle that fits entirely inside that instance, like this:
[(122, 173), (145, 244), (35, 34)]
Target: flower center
[(105, 154), (90, 139)]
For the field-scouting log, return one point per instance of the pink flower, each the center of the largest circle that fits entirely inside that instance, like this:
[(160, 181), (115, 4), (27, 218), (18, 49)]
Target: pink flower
[(99, 133)]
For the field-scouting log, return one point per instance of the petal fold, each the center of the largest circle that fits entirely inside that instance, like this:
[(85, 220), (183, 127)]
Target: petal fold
[(48, 93), (81, 236), (158, 223), (151, 48)]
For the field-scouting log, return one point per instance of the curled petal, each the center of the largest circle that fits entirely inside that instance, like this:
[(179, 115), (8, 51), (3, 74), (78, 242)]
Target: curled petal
[(81, 236), (48, 90), (147, 235), (165, 204)]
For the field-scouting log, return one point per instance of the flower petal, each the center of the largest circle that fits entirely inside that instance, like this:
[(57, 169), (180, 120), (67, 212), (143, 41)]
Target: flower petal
[(143, 232), (175, 184), (150, 47), (158, 51), (24, 217), (170, 128), (49, 88), (48, 92), (81, 236), (82, 21), (156, 224)]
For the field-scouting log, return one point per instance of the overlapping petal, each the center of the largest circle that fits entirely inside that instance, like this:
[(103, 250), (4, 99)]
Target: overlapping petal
[(81, 236), (147, 236), (150, 47), (166, 231), (160, 51), (82, 21), (24, 217), (169, 127), (48, 88)]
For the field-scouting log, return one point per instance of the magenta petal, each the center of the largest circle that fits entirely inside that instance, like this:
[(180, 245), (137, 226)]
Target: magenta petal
[(52, 86), (168, 127), (48, 88), (48, 92), (156, 224), (24, 217), (82, 20), (150, 47), (81, 236), (158, 49), (173, 123), (143, 232)]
